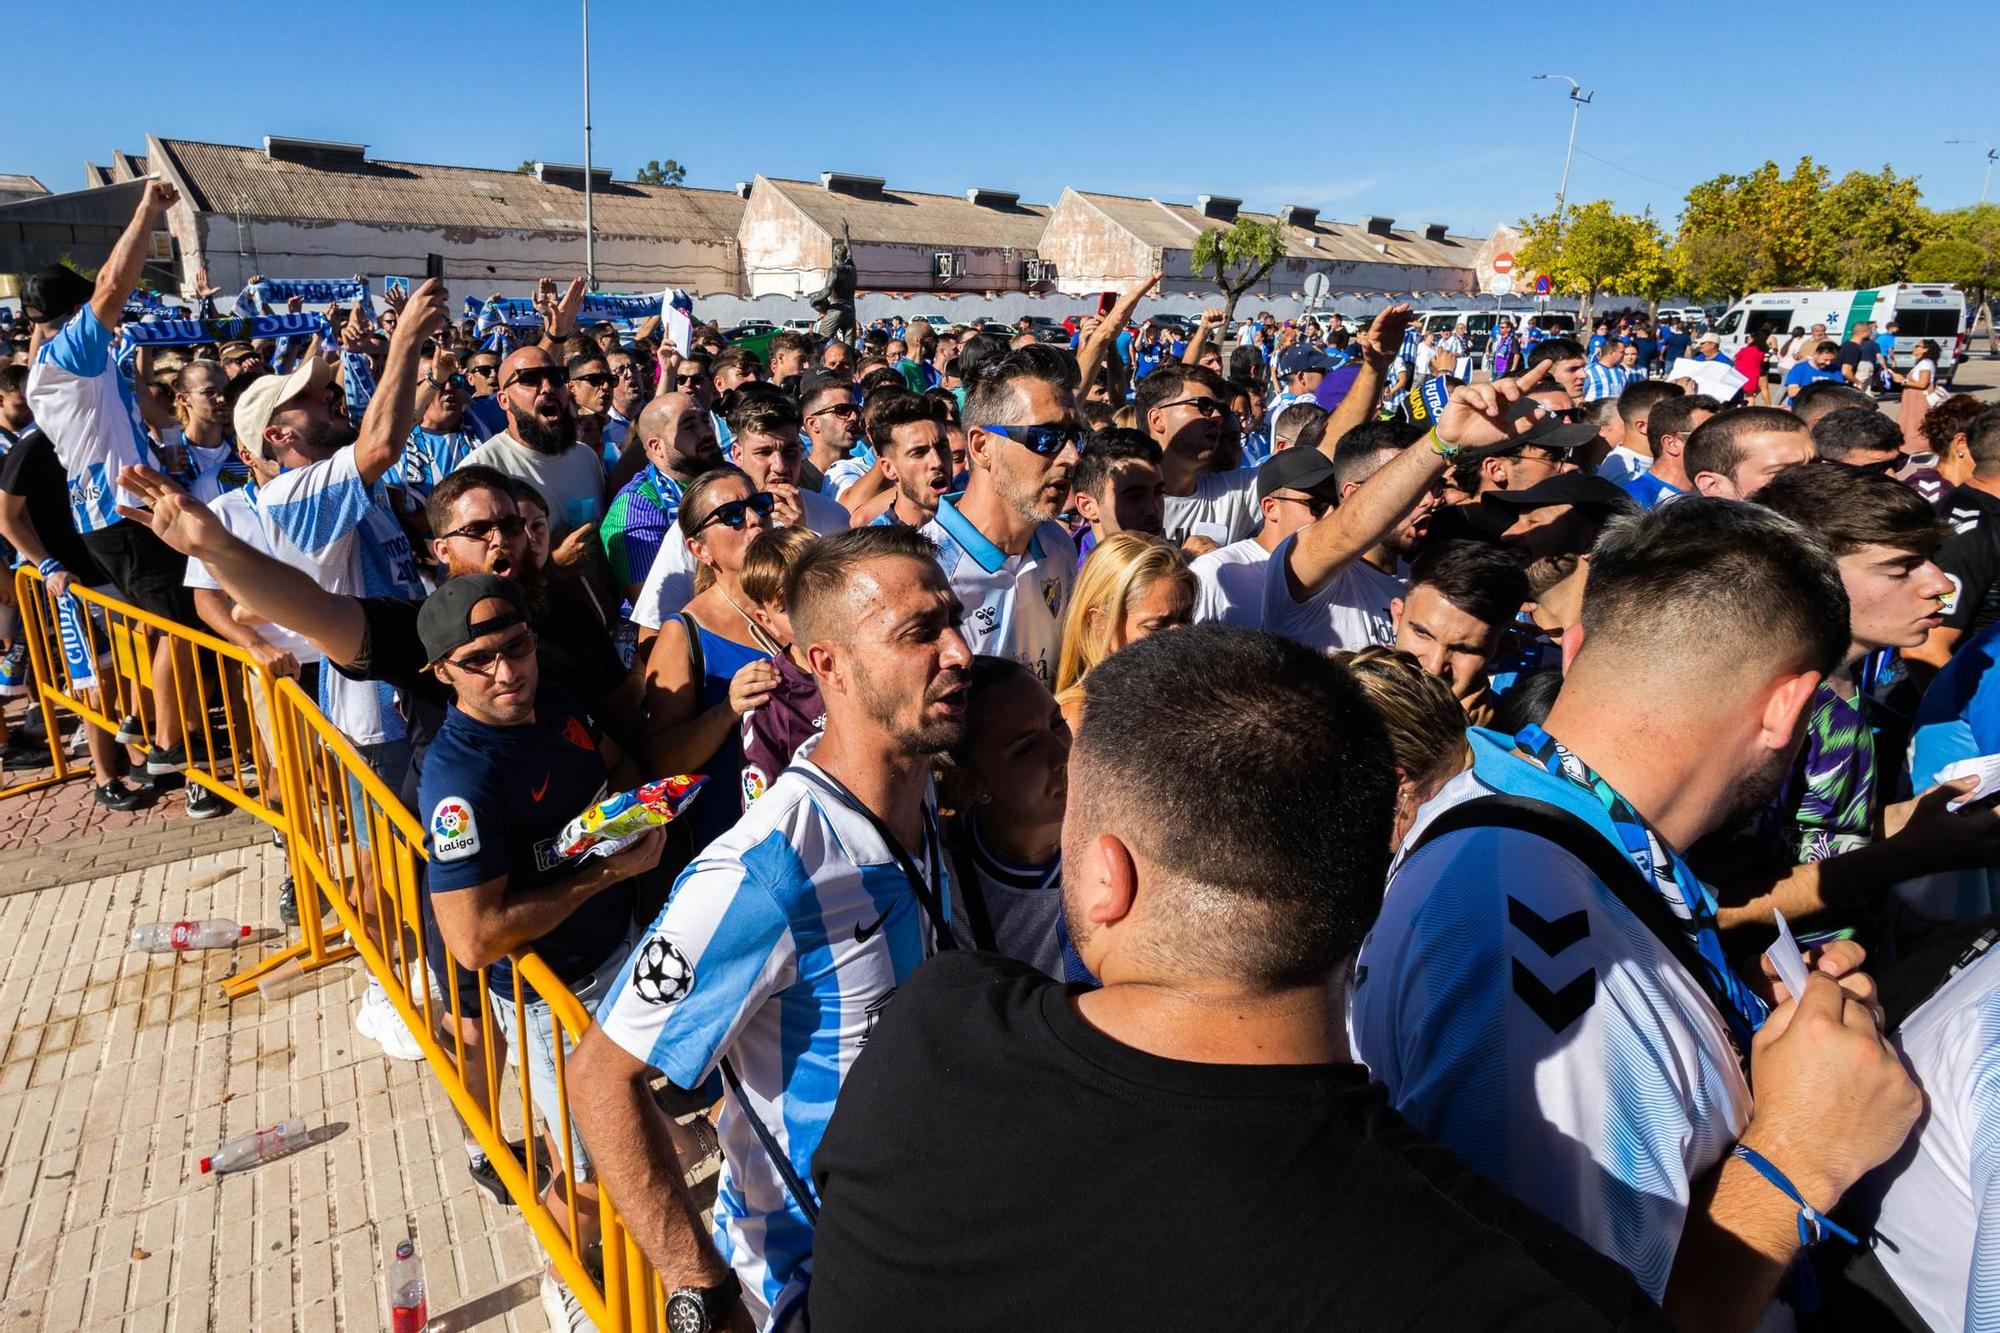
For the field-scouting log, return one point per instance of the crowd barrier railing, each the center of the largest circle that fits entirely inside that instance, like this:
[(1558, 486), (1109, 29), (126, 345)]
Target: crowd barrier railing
[(353, 849)]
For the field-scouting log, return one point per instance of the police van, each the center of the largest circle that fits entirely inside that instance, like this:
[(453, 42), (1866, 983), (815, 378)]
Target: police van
[(1920, 310)]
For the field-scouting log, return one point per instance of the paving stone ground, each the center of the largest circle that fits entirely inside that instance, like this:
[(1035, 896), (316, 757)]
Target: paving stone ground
[(119, 1070)]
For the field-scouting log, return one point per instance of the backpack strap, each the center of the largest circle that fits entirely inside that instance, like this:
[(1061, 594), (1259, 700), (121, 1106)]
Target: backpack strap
[(1608, 864)]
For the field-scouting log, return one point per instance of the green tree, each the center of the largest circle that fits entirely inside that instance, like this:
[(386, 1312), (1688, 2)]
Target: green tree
[(1593, 250), (1742, 233), (668, 172), (1236, 258), (1868, 226), (527, 168), (1965, 251)]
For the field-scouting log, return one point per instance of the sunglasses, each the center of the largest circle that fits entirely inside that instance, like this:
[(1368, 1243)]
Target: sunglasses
[(482, 370), (1206, 406), (536, 376), (686, 380), (1553, 454), (838, 410), (479, 530), (597, 379), (628, 371), (1048, 440), (515, 649), (1316, 505), (733, 514)]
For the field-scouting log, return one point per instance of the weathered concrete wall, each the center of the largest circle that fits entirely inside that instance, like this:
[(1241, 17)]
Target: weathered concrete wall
[(1091, 253), (476, 263), (785, 253)]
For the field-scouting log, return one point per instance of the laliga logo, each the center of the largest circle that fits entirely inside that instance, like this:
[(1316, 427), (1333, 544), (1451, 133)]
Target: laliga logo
[(449, 820)]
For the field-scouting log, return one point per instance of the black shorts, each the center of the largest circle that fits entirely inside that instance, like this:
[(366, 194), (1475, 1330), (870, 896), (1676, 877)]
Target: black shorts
[(146, 571)]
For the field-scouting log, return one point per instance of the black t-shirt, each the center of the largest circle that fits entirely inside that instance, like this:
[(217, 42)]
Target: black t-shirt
[(994, 1162), (1853, 354), (32, 471), (1970, 557)]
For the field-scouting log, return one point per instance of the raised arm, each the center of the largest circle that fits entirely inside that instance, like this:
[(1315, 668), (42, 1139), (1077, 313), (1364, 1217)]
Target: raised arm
[(1380, 342), (1476, 416), (269, 588), (392, 411), (1090, 353), (121, 271)]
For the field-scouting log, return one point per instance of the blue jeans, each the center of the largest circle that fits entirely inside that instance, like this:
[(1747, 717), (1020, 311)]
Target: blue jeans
[(539, 1059)]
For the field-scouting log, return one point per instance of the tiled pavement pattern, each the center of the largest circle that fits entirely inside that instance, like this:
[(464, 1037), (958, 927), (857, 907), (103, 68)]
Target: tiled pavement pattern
[(119, 1070)]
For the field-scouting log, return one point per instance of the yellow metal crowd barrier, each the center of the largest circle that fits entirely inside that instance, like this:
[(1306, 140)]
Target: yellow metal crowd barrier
[(349, 839)]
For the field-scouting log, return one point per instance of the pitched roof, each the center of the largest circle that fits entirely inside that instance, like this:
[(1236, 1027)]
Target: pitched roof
[(907, 217), (1166, 226), (227, 178), (21, 184)]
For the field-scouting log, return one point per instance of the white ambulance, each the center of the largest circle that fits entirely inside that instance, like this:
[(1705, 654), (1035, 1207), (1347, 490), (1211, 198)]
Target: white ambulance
[(1919, 310)]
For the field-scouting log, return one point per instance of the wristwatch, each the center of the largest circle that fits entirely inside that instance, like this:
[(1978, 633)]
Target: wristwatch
[(699, 1309)]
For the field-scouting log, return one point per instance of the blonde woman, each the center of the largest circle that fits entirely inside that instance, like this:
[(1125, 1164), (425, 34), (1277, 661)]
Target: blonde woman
[(1132, 585), (1426, 728)]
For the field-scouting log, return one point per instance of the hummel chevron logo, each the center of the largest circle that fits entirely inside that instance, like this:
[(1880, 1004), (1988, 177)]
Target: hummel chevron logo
[(1559, 1008), (1551, 937)]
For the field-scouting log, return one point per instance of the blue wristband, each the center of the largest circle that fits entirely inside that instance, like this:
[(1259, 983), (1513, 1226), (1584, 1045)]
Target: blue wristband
[(1813, 1225), (49, 567)]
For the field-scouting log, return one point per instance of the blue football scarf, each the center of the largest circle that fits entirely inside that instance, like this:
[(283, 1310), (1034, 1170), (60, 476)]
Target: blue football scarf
[(519, 312), (317, 291), (189, 332)]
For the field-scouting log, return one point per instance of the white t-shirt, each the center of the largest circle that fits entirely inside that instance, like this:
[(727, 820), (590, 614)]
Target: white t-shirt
[(237, 510), (1014, 604), (669, 584), (1350, 612), (1223, 507), (572, 482), (1938, 1234), (777, 948), (324, 520), (1230, 585), (89, 413)]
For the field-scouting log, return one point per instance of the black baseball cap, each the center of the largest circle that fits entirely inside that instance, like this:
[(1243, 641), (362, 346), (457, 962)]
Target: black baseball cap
[(1566, 488), (1297, 469), (54, 293), (1551, 432), (445, 623)]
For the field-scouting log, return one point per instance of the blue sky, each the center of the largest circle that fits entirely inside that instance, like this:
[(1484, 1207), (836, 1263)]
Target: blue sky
[(1337, 106)]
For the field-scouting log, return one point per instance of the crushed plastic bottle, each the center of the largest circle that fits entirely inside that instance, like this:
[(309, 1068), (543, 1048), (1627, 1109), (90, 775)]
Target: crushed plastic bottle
[(174, 936), (262, 1146), (409, 1312)]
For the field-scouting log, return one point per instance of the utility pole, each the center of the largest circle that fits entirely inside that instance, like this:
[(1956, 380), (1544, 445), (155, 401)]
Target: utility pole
[(1987, 184), (1578, 99), (591, 219)]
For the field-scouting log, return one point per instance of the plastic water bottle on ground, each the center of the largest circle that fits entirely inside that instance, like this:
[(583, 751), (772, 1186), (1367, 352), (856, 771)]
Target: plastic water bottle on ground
[(408, 1310), (174, 936), (262, 1146)]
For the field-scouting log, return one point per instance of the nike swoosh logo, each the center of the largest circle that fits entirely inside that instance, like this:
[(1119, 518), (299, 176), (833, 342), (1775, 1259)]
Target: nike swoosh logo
[(862, 933), (540, 791)]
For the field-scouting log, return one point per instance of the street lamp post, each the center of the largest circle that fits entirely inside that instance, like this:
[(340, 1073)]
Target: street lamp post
[(589, 214), (1578, 99), (1990, 156)]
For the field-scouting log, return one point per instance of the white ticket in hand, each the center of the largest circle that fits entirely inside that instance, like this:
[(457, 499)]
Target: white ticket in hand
[(1985, 767), (1784, 955)]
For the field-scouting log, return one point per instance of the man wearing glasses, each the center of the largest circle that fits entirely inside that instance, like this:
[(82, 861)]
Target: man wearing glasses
[(515, 761), (1293, 489), (630, 390), (833, 424), (1185, 409), (1011, 564), (485, 417), (540, 445)]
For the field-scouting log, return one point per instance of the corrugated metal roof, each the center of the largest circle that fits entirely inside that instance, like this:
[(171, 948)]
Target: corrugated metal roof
[(228, 178), (21, 184), (906, 217), (1174, 226)]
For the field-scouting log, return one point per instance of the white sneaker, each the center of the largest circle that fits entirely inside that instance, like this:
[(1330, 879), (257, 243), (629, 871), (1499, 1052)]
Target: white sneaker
[(376, 1019), (564, 1311)]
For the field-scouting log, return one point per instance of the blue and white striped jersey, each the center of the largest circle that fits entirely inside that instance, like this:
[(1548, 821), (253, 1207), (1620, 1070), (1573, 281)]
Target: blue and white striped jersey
[(1938, 1232), (88, 411), (324, 520), (430, 456), (1521, 1015), (777, 949), (1602, 381), (1014, 604)]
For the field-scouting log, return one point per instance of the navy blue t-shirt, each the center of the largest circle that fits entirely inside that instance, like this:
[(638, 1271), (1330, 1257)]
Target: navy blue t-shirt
[(494, 800)]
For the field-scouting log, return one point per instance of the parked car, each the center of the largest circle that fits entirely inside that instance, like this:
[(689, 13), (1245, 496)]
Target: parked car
[(750, 328)]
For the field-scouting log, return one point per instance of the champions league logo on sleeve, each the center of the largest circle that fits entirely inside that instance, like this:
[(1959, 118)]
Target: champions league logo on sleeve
[(663, 974)]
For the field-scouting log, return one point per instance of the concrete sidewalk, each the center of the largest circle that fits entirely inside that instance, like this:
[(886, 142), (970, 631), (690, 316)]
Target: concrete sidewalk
[(120, 1070)]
